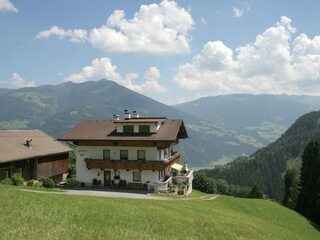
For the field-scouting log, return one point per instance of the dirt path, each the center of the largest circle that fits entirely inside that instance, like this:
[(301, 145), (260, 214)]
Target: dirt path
[(204, 198), (120, 194), (110, 194)]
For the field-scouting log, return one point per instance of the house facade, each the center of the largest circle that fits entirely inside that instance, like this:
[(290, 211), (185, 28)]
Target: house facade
[(136, 152), (33, 154)]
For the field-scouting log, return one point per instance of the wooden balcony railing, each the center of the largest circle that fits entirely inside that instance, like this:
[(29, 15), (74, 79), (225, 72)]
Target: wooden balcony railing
[(132, 164), (172, 159)]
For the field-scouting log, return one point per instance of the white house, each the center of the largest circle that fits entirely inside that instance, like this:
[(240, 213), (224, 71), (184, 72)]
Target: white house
[(134, 152)]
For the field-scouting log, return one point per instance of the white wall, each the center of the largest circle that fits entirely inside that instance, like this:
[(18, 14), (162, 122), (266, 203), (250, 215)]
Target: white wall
[(85, 175), (146, 175), (96, 152)]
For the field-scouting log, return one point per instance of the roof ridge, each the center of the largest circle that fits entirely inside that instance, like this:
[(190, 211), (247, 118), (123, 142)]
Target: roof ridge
[(20, 130)]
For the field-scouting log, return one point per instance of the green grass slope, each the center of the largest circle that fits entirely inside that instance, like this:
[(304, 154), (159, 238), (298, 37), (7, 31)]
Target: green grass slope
[(26, 215)]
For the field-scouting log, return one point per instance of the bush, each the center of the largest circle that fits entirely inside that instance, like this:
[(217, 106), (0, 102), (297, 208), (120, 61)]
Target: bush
[(210, 185), (204, 184), (37, 184), (48, 183), (72, 164), (96, 182), (31, 183), (34, 183), (17, 179), (71, 182), (222, 187), (7, 181), (256, 192)]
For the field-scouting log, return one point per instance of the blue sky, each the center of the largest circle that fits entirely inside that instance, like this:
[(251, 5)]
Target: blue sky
[(171, 51)]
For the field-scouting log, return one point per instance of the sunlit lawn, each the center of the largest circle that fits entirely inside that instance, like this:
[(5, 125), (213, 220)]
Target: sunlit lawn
[(27, 215)]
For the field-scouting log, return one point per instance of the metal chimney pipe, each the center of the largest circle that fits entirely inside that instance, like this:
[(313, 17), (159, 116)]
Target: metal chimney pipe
[(127, 114), (135, 114)]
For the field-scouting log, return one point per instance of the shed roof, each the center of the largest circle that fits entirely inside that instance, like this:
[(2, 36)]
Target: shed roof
[(13, 148), (170, 130)]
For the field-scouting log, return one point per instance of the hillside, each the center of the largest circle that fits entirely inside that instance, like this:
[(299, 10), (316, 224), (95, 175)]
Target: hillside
[(263, 117), (267, 166), (51, 216), (57, 108)]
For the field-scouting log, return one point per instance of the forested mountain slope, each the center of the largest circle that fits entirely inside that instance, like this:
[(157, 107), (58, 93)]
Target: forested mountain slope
[(267, 166)]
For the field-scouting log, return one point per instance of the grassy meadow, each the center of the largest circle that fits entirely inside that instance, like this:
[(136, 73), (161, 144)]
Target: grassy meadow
[(28, 215)]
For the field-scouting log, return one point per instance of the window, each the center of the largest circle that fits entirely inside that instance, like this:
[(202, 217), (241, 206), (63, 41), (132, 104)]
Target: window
[(124, 154), (141, 155), (137, 176), (116, 173), (165, 153), (106, 154), (144, 129), (161, 174), (128, 129)]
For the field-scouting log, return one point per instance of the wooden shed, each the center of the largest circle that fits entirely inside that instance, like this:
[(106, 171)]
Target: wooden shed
[(33, 154)]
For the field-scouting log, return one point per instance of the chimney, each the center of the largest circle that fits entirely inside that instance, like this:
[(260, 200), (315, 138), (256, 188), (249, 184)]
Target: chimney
[(28, 142), (127, 114), (135, 114), (116, 117)]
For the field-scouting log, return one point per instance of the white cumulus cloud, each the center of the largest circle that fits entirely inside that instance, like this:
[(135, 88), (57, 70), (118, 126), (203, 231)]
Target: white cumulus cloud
[(274, 63), (103, 68), (100, 68), (75, 35), (7, 6), (239, 11), (17, 81), (155, 29), (151, 84)]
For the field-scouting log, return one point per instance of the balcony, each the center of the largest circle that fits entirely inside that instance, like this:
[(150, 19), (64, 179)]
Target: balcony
[(178, 181), (132, 164), (173, 158)]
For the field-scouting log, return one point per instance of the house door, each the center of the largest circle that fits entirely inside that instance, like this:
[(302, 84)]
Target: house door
[(107, 178)]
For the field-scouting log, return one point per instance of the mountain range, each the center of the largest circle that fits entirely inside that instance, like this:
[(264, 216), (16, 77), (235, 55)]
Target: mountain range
[(57, 108), (220, 128), (263, 117)]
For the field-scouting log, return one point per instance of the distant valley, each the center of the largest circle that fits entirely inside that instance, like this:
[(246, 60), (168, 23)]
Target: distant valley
[(263, 117)]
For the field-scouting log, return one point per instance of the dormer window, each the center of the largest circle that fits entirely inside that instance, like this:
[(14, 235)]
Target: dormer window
[(144, 128), (128, 129)]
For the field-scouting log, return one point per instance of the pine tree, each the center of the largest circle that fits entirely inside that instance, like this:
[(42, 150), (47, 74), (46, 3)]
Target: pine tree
[(309, 197), (291, 180)]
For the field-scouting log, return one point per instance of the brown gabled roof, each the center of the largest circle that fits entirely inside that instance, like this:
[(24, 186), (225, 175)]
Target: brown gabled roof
[(170, 130), (13, 148)]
